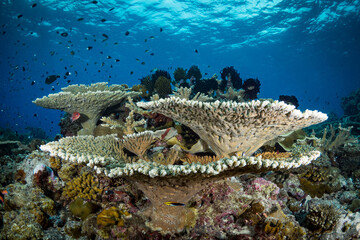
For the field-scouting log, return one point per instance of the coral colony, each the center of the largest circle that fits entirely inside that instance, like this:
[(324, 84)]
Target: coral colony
[(160, 162), (204, 160)]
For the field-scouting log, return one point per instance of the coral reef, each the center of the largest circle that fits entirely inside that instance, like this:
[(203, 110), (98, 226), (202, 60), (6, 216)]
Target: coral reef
[(252, 88)]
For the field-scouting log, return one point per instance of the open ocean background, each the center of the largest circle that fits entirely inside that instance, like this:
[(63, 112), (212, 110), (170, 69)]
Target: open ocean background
[(310, 49)]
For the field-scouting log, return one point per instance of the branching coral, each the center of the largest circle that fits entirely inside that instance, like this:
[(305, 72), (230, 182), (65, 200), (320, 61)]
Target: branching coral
[(138, 143)]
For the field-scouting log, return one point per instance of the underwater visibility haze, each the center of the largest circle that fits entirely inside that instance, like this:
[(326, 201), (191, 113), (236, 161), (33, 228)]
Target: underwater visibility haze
[(308, 49), (179, 119)]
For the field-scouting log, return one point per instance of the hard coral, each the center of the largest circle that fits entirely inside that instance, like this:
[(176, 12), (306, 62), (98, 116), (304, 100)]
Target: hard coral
[(193, 73), (180, 77), (322, 216), (84, 186)]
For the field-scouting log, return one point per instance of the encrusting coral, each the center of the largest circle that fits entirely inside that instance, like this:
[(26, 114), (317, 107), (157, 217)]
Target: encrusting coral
[(90, 101), (229, 128), (84, 186)]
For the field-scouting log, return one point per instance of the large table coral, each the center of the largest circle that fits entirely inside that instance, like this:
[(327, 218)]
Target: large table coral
[(228, 127), (90, 101)]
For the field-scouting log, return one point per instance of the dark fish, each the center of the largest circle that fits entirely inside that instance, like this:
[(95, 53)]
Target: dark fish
[(68, 73), (94, 2), (117, 60), (52, 53), (142, 63), (23, 68), (103, 20), (35, 115), (72, 53), (111, 9), (32, 83), (137, 59), (19, 16), (131, 73), (152, 37), (196, 51), (152, 54), (34, 5), (161, 29), (89, 48), (105, 36), (80, 19), (108, 57), (64, 34), (127, 33), (68, 81), (50, 79), (53, 88), (145, 40)]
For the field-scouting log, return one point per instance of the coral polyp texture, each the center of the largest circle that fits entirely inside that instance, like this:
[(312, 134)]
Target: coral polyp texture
[(90, 101), (229, 127)]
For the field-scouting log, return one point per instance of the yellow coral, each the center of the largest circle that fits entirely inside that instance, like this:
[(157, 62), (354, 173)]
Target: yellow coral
[(84, 186), (55, 162), (112, 216), (274, 155)]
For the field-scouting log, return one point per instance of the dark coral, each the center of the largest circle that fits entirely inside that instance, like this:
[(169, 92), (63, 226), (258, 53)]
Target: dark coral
[(180, 77), (322, 216), (289, 100), (205, 86), (252, 88), (148, 84), (194, 72), (351, 103), (160, 73), (69, 128), (235, 79), (163, 86)]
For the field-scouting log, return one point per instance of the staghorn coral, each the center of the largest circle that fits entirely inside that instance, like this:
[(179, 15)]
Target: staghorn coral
[(336, 139), (229, 127), (138, 143), (84, 186), (90, 101)]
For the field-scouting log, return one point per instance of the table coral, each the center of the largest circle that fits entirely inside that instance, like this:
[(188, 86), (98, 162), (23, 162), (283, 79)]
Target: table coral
[(90, 101), (229, 127)]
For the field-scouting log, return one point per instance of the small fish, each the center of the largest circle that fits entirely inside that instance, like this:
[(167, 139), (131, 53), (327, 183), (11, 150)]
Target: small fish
[(19, 16), (152, 37), (117, 60), (142, 63), (161, 29), (131, 73), (72, 53), (105, 36), (174, 204), (35, 115), (75, 116), (94, 2), (64, 34), (2, 194), (127, 33), (32, 83), (68, 73), (111, 9), (89, 48), (103, 20), (152, 54), (108, 57), (34, 5), (80, 19), (196, 51), (50, 79)]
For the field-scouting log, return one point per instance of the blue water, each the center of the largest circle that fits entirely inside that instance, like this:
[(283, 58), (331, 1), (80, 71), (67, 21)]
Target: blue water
[(309, 49)]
